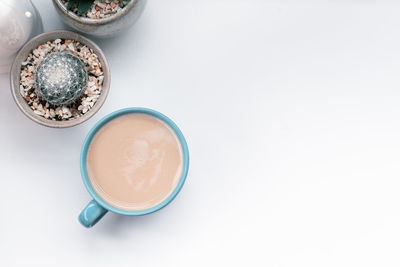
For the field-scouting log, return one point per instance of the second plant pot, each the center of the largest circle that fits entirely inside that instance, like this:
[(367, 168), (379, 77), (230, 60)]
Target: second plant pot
[(60, 79), (102, 27)]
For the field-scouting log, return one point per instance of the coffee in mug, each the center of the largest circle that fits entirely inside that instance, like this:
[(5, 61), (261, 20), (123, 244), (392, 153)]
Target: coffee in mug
[(134, 161)]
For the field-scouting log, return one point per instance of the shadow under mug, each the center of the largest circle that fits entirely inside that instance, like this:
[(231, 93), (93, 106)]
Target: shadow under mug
[(97, 208)]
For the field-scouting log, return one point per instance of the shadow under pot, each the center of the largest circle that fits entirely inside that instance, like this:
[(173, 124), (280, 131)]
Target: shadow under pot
[(60, 79), (98, 17)]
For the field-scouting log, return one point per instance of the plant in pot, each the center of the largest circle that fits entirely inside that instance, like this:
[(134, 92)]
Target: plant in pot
[(60, 79), (100, 18)]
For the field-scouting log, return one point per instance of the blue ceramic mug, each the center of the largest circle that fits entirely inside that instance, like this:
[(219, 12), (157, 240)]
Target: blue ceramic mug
[(97, 208)]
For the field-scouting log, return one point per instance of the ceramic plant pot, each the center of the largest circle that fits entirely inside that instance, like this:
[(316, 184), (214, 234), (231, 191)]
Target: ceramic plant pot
[(102, 27), (16, 73)]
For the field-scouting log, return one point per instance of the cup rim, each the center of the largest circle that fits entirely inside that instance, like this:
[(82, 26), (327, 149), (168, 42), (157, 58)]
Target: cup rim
[(99, 125)]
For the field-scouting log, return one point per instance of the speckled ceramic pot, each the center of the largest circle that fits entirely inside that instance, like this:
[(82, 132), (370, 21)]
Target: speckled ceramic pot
[(23, 54), (104, 27)]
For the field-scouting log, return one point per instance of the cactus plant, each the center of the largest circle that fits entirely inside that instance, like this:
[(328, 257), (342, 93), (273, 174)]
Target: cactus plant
[(60, 78)]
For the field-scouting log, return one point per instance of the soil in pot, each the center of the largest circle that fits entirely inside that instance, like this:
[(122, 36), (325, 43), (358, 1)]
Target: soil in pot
[(95, 9)]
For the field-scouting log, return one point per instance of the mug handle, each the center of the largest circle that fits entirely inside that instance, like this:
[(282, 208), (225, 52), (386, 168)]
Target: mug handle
[(91, 214)]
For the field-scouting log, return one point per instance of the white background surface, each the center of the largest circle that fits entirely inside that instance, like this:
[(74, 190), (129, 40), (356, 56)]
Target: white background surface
[(291, 112)]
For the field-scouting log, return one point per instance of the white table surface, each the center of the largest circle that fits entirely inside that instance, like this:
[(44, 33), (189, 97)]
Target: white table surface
[(291, 112)]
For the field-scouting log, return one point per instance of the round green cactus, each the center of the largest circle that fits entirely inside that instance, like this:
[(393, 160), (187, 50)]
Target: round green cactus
[(60, 78)]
